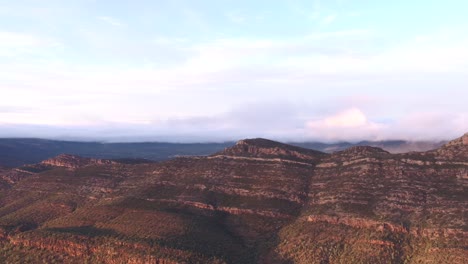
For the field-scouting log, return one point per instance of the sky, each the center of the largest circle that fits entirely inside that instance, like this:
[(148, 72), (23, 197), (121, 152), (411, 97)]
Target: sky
[(206, 70)]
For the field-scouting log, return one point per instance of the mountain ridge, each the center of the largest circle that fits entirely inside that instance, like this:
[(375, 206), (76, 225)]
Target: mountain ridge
[(18, 152), (258, 201), (264, 148)]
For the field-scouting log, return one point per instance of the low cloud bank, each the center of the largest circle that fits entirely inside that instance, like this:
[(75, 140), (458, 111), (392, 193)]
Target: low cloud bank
[(280, 122)]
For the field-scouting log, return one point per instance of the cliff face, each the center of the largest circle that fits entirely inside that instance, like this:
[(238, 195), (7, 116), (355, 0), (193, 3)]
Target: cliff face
[(259, 201)]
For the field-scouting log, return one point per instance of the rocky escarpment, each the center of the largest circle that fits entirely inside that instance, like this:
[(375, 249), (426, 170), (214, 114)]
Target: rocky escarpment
[(400, 207), (9, 177), (459, 142), (73, 161), (264, 148), (454, 150), (259, 201)]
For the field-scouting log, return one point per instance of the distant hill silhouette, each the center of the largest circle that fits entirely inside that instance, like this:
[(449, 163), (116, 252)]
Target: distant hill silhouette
[(15, 152)]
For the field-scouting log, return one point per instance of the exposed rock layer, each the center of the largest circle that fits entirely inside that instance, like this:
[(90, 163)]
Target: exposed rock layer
[(259, 201)]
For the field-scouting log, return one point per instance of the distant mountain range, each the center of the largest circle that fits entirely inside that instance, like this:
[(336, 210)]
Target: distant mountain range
[(15, 152)]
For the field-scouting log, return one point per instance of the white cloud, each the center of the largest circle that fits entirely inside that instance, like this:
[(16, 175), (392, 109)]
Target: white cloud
[(429, 125), (226, 71), (328, 19), (223, 72), (236, 18), (14, 43), (11, 39), (164, 40), (280, 120), (110, 20), (350, 118), (351, 124), (350, 33)]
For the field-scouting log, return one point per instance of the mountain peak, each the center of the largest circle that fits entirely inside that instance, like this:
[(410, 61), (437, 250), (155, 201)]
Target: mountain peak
[(260, 142), (265, 148)]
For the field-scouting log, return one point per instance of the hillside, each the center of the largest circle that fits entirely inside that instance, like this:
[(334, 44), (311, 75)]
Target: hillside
[(258, 201)]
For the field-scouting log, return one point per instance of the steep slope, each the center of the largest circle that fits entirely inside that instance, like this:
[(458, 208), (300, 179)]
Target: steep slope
[(198, 208), (368, 206), (258, 201), (453, 151)]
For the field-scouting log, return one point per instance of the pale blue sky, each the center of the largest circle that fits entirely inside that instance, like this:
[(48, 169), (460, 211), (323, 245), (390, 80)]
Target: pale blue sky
[(221, 70)]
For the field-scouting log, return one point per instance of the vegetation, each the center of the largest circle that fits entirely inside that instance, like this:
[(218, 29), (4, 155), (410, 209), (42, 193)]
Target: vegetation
[(369, 206)]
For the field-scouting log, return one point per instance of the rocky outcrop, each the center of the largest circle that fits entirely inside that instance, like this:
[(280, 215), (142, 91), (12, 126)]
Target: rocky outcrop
[(82, 249), (358, 222), (264, 148), (9, 177), (459, 142), (72, 161), (454, 150)]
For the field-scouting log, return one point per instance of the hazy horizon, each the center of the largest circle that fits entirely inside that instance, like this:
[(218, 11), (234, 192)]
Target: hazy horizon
[(213, 71), (191, 139)]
